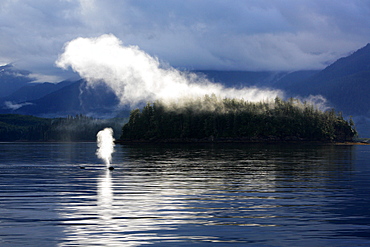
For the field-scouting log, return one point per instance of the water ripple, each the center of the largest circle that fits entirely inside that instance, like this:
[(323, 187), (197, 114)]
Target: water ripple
[(184, 195)]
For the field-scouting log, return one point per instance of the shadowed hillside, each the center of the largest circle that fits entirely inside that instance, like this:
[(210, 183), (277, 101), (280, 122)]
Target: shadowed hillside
[(345, 83), (14, 127)]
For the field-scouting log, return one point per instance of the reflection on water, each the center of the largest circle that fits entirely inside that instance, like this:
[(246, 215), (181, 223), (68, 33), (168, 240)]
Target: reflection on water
[(105, 197), (185, 195)]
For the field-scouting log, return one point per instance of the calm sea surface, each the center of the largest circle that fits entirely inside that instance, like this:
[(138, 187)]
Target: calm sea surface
[(184, 195)]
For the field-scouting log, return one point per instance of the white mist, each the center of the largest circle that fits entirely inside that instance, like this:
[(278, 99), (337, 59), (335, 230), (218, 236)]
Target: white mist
[(105, 142), (136, 77)]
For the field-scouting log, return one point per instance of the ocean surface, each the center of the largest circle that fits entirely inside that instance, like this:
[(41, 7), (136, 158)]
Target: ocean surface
[(61, 194)]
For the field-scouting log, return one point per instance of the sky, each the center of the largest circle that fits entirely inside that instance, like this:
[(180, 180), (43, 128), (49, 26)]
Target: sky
[(254, 35)]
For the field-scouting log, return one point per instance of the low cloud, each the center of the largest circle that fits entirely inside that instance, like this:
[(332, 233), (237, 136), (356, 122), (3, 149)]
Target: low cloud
[(319, 101), (40, 78), (137, 77), (15, 106)]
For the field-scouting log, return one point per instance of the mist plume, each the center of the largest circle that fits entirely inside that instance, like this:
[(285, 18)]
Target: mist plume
[(105, 142), (136, 77)]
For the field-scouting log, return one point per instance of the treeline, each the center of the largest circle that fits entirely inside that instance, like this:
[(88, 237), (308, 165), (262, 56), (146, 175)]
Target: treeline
[(214, 119), (15, 127)]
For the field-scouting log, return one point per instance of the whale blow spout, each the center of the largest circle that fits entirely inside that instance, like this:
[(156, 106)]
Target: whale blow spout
[(105, 142)]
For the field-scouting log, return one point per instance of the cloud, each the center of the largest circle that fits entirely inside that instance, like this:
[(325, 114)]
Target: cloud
[(137, 77), (253, 35), (15, 106), (319, 101), (232, 35), (44, 78)]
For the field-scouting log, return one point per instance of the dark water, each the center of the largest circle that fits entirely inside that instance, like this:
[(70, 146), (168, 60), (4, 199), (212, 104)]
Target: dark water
[(192, 195)]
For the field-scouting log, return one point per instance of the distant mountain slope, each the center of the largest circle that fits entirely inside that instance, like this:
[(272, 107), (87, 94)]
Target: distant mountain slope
[(294, 79), (11, 79), (345, 83), (73, 99), (242, 78), (346, 66), (272, 79), (33, 91)]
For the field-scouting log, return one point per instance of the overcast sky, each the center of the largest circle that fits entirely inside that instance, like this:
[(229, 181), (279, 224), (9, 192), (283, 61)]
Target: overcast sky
[(191, 34)]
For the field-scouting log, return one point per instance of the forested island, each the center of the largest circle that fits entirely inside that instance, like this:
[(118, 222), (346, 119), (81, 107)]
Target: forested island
[(211, 119)]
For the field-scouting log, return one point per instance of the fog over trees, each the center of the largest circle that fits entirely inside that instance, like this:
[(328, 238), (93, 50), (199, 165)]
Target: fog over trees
[(214, 119)]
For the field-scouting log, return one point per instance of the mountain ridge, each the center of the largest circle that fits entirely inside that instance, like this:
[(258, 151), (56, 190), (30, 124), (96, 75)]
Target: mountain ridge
[(12, 79)]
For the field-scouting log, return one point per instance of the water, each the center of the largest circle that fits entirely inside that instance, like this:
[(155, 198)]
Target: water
[(184, 195)]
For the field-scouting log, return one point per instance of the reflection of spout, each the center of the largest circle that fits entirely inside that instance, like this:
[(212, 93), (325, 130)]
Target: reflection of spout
[(105, 196)]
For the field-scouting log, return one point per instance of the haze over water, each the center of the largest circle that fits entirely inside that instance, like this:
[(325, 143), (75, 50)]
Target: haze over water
[(203, 195)]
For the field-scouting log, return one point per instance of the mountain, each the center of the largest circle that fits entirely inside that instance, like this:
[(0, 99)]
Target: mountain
[(33, 91), (358, 61), (294, 79), (271, 79), (73, 99), (242, 78), (12, 79), (345, 83)]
